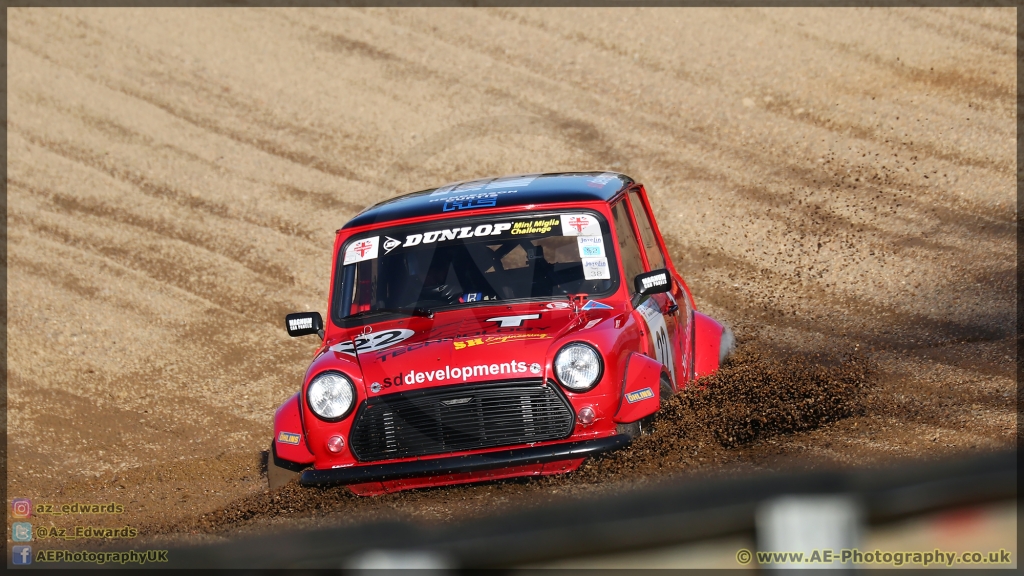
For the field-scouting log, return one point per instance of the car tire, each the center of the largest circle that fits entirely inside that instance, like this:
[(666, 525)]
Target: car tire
[(666, 388), (642, 427), (279, 471)]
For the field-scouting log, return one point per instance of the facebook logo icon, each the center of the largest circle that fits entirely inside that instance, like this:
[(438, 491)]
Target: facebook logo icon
[(21, 555)]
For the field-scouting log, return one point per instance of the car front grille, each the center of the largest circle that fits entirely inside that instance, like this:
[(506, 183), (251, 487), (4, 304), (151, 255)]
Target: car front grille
[(456, 418)]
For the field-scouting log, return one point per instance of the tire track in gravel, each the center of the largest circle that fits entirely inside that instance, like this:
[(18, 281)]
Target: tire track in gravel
[(162, 261), (160, 190), (207, 90), (178, 229)]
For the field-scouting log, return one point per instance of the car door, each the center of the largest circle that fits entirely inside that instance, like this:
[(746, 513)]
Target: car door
[(669, 310), (648, 308)]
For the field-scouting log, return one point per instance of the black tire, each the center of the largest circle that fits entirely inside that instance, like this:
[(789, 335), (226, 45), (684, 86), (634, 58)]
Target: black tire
[(632, 429), (280, 471), (642, 427), (666, 388)]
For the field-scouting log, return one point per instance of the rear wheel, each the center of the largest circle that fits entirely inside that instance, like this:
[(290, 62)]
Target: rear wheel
[(727, 345), (279, 471)]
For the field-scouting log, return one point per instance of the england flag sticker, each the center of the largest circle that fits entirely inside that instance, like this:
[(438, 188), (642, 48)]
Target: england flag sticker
[(365, 249), (580, 225)]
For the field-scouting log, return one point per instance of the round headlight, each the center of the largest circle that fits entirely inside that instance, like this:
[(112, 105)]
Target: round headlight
[(331, 396), (578, 366)]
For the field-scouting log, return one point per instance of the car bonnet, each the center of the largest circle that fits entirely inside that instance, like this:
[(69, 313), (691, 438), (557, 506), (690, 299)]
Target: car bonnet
[(480, 344)]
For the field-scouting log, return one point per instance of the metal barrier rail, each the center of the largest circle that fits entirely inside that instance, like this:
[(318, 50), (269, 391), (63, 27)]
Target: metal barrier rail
[(670, 513)]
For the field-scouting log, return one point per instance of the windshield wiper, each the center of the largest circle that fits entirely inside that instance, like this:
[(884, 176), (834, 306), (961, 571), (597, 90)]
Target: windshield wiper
[(410, 311)]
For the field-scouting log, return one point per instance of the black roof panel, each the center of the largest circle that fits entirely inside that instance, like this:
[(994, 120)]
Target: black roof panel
[(521, 189)]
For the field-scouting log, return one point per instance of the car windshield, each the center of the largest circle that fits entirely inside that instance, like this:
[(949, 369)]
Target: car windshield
[(461, 261)]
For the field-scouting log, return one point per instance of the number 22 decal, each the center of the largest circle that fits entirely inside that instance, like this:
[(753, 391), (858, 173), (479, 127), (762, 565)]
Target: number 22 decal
[(373, 341), (651, 313)]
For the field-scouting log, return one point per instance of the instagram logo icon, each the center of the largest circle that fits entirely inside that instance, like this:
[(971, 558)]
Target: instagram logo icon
[(21, 507)]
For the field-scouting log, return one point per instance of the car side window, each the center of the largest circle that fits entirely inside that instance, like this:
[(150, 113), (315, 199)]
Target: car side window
[(629, 250), (654, 256)]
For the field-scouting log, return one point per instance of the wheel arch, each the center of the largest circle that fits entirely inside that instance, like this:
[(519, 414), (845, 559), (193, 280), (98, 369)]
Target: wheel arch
[(713, 342)]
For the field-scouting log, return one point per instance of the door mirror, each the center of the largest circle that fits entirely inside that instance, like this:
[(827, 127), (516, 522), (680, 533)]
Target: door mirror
[(303, 323), (652, 282)]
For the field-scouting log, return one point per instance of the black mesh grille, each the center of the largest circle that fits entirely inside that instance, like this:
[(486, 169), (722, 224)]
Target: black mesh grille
[(458, 418)]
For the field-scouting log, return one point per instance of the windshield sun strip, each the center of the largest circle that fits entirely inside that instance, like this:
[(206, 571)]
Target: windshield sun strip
[(372, 245)]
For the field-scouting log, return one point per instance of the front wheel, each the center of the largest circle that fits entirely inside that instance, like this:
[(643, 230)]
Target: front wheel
[(279, 471), (642, 427), (666, 388)]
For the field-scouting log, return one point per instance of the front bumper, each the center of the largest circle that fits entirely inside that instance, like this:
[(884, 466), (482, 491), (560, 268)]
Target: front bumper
[(463, 464)]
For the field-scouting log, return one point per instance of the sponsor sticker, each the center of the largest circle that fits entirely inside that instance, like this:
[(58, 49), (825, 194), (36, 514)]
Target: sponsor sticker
[(496, 229), (542, 226), (639, 395), (591, 246), (488, 340), (288, 438), (557, 305), (471, 297), (463, 201), (592, 323), (365, 249), (512, 321), (657, 280), (596, 269), (449, 373), (390, 244), (469, 203), (373, 341), (580, 225), (595, 305), (300, 323)]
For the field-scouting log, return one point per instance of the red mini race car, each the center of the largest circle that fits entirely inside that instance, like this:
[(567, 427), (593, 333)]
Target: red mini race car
[(501, 327)]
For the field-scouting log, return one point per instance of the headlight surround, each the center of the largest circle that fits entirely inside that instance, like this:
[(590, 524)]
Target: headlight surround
[(578, 366), (331, 396)]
